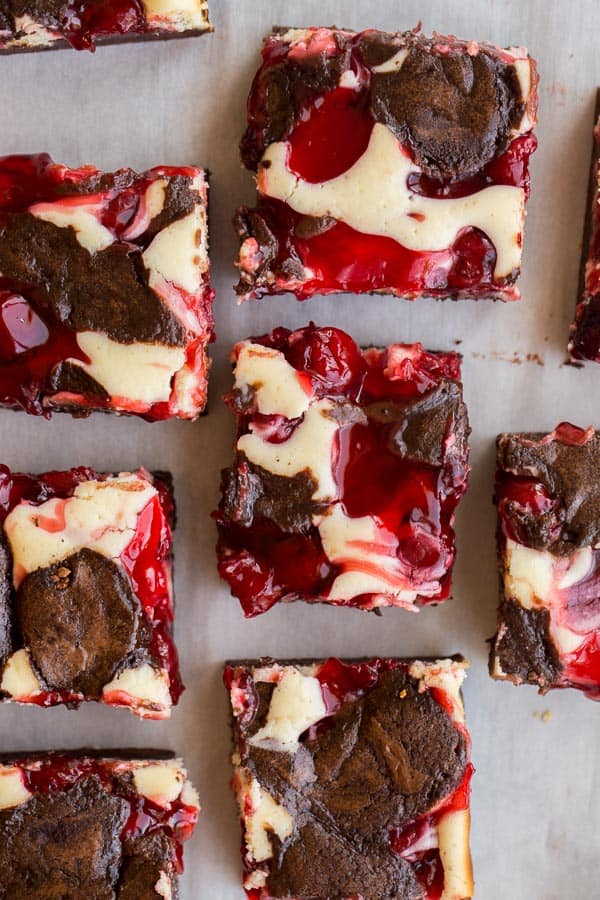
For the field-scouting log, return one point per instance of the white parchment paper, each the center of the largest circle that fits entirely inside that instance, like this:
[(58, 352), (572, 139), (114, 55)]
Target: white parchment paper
[(536, 795)]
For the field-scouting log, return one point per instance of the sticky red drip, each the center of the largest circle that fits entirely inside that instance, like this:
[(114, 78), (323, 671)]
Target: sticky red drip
[(415, 502), (332, 134), (59, 773), (146, 559), (86, 21)]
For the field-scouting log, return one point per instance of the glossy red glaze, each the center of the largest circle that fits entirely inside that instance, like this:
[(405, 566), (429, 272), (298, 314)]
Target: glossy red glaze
[(146, 559), (583, 667), (332, 134), (58, 772), (415, 502), (86, 21), (329, 135)]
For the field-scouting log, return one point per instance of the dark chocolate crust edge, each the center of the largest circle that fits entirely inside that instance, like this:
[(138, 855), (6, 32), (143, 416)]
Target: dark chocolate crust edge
[(591, 196), (311, 661), (522, 647), (582, 299), (121, 754), (112, 40)]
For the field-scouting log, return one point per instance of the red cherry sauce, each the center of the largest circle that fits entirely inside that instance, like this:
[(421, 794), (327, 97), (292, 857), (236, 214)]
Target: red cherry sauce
[(342, 683), (86, 21), (146, 559), (331, 133), (59, 772), (32, 339), (414, 501)]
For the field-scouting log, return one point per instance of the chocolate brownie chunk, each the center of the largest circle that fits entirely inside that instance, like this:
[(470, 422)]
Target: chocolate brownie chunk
[(85, 825), (322, 864), (523, 648), (81, 621), (584, 341), (71, 379), (430, 429), (250, 491), (86, 601), (147, 859), (336, 762), (106, 291), (379, 764), (63, 844), (476, 101)]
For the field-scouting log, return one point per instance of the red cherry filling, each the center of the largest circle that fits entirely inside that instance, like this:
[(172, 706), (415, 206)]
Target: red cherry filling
[(85, 21), (331, 135), (328, 355), (21, 329), (583, 666)]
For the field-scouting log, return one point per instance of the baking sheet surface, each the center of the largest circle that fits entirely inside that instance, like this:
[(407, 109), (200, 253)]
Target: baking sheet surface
[(536, 809)]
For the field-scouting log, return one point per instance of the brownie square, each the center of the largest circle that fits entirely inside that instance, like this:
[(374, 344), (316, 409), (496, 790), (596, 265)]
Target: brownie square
[(79, 824), (352, 778), (86, 595), (348, 469), (27, 25), (105, 297), (391, 163), (548, 498), (584, 343)]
